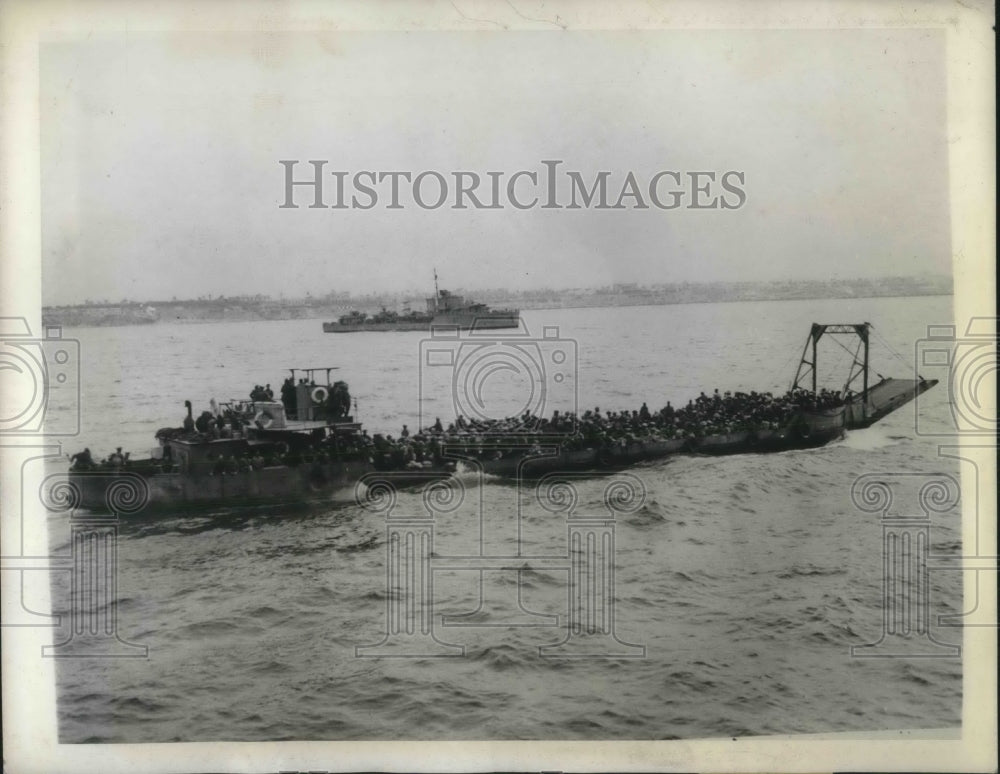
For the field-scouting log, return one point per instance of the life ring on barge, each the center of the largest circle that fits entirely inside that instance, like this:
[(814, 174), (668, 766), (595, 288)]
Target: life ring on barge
[(317, 479), (319, 395), (263, 419)]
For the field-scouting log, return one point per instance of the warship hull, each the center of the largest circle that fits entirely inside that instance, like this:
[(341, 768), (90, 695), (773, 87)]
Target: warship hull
[(461, 321)]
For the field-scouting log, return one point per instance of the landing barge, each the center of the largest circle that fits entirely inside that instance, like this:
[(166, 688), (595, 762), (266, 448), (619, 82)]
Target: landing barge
[(307, 446)]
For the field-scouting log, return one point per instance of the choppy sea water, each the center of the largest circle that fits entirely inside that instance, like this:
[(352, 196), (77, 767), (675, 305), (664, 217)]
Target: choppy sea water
[(745, 579)]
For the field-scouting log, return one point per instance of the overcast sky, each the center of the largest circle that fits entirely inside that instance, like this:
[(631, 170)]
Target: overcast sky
[(161, 174)]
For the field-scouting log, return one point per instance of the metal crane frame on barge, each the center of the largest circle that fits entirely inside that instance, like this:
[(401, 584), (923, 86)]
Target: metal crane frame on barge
[(807, 367), (873, 402)]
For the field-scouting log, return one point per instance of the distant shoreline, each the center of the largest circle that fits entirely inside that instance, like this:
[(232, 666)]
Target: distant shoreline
[(247, 310), (741, 301)]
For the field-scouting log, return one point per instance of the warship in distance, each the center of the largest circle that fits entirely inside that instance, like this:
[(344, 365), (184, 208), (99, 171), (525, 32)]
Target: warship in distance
[(443, 309)]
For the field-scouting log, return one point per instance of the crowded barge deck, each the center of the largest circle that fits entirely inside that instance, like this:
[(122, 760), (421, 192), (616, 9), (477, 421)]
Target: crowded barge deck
[(306, 446)]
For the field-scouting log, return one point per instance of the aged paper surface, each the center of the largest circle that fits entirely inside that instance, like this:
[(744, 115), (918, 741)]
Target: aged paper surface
[(166, 153)]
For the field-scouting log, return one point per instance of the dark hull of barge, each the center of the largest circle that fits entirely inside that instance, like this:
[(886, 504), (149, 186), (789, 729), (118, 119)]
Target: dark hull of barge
[(129, 492), (636, 452)]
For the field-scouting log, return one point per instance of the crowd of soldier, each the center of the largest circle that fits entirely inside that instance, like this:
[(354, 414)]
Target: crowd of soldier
[(706, 415)]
